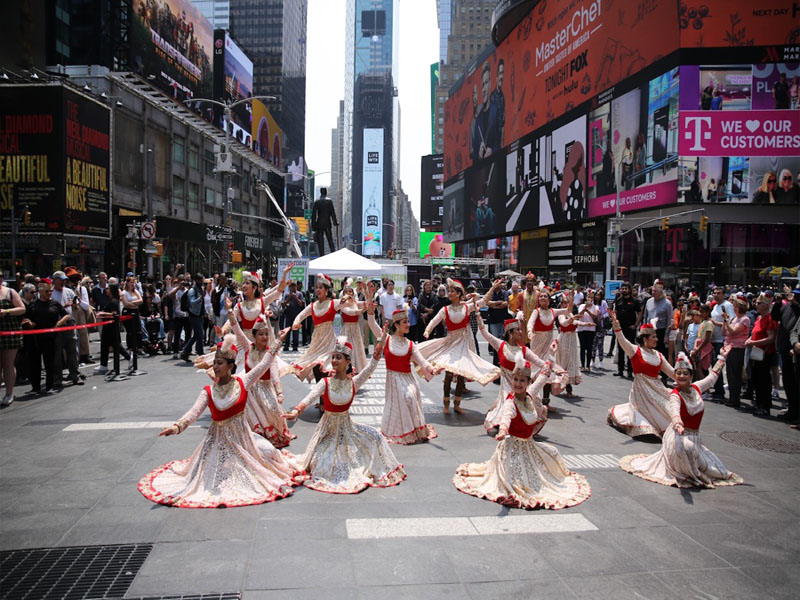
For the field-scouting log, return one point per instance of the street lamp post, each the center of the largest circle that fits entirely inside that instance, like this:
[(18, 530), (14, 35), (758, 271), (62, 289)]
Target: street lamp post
[(226, 166)]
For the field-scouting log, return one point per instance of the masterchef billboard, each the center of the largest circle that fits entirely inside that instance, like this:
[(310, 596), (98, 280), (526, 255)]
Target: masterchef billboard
[(559, 56)]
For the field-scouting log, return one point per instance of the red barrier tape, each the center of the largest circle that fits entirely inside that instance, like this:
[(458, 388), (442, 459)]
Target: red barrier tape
[(60, 329)]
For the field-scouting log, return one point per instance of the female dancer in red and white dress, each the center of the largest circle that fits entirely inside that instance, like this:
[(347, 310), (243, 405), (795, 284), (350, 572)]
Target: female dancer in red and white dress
[(540, 333), (507, 351), (403, 421), (567, 355), (345, 457), (523, 473), (232, 466), (315, 361), (683, 461), (263, 412), (352, 314), (647, 410), (455, 353)]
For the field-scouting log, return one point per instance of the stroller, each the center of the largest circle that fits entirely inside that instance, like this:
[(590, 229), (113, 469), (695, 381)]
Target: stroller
[(155, 336)]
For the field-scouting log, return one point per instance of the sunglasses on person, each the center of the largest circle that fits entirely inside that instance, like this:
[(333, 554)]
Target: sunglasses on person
[(787, 178), (771, 180)]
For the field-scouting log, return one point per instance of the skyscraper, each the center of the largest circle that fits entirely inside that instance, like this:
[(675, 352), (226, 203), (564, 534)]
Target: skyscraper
[(370, 102), (217, 12), (465, 29), (273, 34)]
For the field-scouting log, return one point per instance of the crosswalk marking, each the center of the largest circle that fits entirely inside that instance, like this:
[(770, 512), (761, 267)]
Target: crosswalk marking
[(463, 526), (124, 425)]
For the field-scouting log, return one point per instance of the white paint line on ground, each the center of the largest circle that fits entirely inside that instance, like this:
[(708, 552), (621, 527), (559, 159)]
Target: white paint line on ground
[(592, 461), (449, 526), (126, 425)]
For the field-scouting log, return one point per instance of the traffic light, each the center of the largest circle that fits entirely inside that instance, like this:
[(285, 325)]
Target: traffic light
[(621, 272), (703, 223), (26, 216), (664, 224), (236, 257), (159, 249), (391, 254)]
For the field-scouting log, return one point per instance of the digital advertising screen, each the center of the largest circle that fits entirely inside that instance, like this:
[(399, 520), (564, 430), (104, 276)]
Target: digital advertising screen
[(233, 81), (432, 183), (372, 192)]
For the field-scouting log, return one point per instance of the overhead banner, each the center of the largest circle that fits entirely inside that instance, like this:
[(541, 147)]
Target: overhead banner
[(372, 192), (54, 161), (559, 56)]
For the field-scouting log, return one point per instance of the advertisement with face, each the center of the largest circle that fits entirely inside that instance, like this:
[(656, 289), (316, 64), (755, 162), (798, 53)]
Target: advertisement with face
[(485, 209), (172, 42), (233, 81), (562, 173), (776, 86), (560, 55), (372, 191), (432, 245), (634, 148)]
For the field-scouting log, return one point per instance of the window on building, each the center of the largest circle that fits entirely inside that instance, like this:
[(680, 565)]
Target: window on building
[(209, 197), (178, 149), (209, 162), (193, 195), (178, 190), (194, 156)]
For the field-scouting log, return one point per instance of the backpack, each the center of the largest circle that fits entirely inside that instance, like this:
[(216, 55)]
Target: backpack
[(185, 301)]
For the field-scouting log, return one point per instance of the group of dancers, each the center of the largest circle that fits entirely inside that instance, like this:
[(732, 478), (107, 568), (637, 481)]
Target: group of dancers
[(243, 458)]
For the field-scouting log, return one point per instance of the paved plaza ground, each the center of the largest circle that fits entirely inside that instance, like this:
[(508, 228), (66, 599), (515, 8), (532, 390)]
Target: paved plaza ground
[(70, 464)]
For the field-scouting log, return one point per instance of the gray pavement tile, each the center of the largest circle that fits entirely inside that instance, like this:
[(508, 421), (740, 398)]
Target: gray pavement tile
[(211, 524), (36, 530), (740, 545), (412, 592), (300, 563), (616, 483), (123, 494), (681, 506), (743, 506), (620, 587), (20, 472), (730, 584), (402, 561), (585, 553), (192, 567), (327, 593), (542, 589), (617, 513), (771, 479), (778, 500), (781, 582), (784, 533), (308, 528), (117, 525), (659, 548), (56, 495), (495, 558)]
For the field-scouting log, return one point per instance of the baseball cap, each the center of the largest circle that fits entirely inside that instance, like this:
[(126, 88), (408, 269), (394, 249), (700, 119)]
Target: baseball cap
[(59, 275), (129, 274)]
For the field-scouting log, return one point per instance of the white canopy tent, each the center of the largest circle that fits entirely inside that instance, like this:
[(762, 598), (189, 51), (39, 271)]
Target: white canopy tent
[(344, 263)]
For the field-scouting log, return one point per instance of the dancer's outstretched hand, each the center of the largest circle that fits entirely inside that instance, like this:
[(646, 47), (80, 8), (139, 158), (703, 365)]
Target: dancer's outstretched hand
[(171, 430)]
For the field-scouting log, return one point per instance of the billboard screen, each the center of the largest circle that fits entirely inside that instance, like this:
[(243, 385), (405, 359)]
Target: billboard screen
[(432, 245), (430, 203), (54, 161), (372, 192), (267, 136), (233, 81), (172, 42), (556, 58)]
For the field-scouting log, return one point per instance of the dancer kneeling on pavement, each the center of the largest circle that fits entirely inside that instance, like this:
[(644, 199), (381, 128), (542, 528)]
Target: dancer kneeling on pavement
[(507, 351), (232, 466), (647, 410), (403, 421), (683, 461), (455, 353), (263, 411), (345, 457), (523, 473)]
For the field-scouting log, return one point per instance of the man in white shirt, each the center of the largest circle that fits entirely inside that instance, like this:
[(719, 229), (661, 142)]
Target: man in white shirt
[(721, 306), (390, 300), (66, 341)]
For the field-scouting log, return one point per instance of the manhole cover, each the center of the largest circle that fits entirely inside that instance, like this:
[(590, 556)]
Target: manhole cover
[(759, 441), (71, 573)]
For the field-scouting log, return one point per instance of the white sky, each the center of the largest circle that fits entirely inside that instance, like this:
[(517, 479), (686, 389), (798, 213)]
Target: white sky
[(419, 47)]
